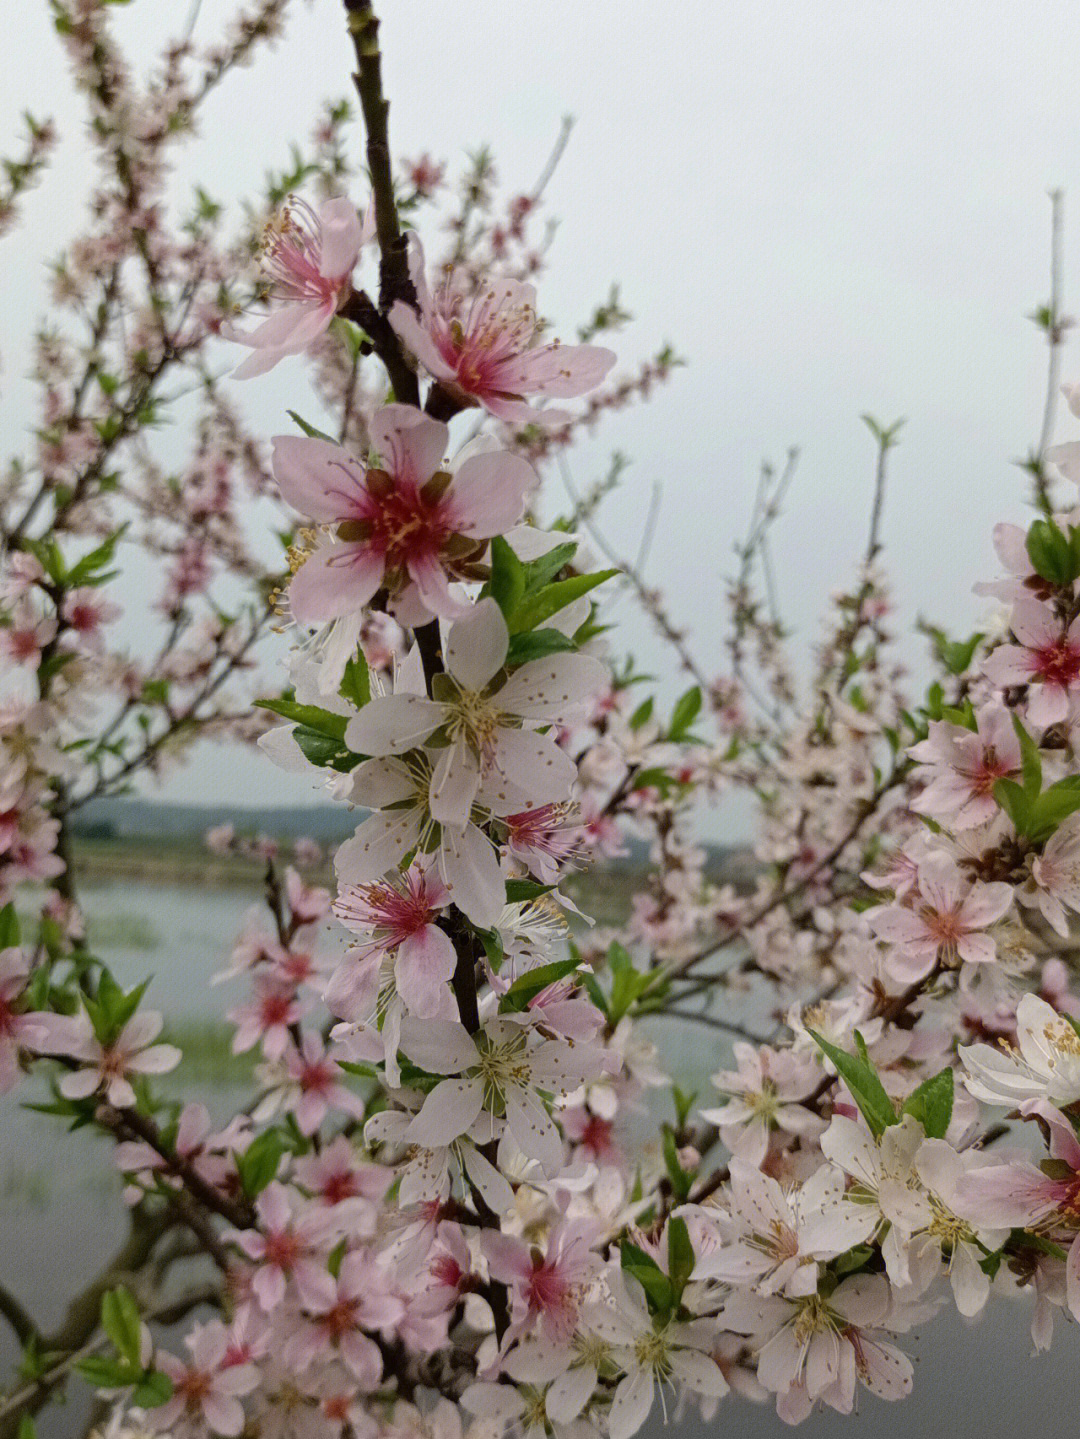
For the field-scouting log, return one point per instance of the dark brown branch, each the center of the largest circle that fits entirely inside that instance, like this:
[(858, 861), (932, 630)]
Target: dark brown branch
[(394, 280)]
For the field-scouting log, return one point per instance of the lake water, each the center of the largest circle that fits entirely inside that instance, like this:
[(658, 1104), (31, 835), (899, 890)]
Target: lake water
[(61, 1217)]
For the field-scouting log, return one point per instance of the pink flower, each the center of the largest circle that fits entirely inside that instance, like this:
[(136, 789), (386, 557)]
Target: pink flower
[(482, 347), (774, 1240), (85, 610), (26, 635), (1055, 875), (546, 1287), (817, 1348), (334, 1175), (546, 840), (309, 255), (359, 1298), (397, 916), (964, 767), (1047, 658), (945, 924), (266, 1017), (287, 1246), (107, 1066), (404, 524), (207, 1390), (316, 1086), (486, 718), (1021, 1195)]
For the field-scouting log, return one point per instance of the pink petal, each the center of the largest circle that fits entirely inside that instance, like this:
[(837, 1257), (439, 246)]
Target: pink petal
[(319, 479), (334, 581)]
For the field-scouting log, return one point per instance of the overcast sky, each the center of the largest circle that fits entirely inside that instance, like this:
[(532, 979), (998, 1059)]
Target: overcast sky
[(828, 208)]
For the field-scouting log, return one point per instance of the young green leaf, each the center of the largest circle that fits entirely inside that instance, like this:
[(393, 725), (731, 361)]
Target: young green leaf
[(866, 1088), (932, 1103)]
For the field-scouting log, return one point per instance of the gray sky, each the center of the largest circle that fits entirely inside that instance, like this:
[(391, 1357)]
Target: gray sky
[(828, 208)]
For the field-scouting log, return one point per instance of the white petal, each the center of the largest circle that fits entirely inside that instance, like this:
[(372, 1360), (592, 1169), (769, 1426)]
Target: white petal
[(476, 645), (441, 1046), (535, 764), (392, 724), (454, 784), (448, 1111), (550, 688), (471, 872), (379, 843)]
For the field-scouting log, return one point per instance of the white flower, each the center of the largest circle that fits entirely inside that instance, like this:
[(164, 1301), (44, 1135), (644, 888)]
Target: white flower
[(484, 720), (881, 1169), (498, 1071), (1047, 1066), (397, 790), (649, 1354), (778, 1237)]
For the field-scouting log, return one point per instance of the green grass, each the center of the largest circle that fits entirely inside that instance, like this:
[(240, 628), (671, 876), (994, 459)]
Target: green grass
[(208, 1058)]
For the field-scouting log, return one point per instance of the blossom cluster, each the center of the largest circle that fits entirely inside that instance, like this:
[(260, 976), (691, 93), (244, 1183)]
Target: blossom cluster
[(436, 1215)]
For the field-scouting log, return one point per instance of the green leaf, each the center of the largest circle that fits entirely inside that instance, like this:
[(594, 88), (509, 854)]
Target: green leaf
[(932, 1103), (27, 1428), (356, 683), (537, 645), (1014, 802), (520, 891), (528, 985), (9, 926), (121, 1322), (1051, 554), (1030, 760), (535, 609), (324, 751), (680, 1256), (649, 1275), (105, 1373), (310, 716), (310, 430), (685, 713), (1060, 800), (540, 571), (153, 1390), (258, 1165), (680, 1180), (642, 714), (507, 583), (861, 1079)]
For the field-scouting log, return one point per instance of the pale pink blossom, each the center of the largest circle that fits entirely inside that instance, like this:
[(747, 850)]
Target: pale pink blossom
[(406, 523), (547, 1287), (1047, 658), (1044, 1064), (482, 347), (20, 1029), (816, 1349), (207, 1389), (500, 1069), (398, 790), (649, 1353), (396, 916), (108, 1067), (762, 1095), (945, 923), (964, 766), (309, 256), (773, 1240), (1055, 877), (289, 1246)]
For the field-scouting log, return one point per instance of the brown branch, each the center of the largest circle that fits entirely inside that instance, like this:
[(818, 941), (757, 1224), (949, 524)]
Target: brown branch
[(394, 280)]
